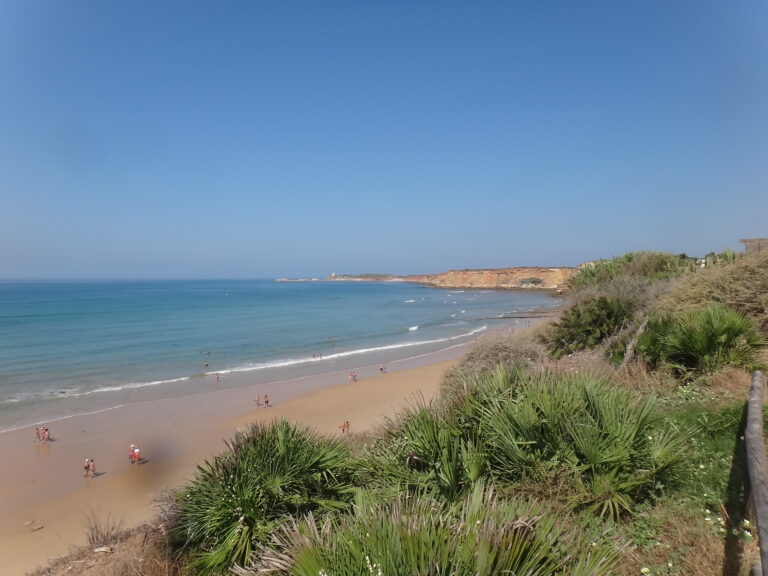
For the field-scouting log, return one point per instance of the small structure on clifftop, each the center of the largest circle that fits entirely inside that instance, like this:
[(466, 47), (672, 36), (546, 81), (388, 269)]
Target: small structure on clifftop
[(754, 245)]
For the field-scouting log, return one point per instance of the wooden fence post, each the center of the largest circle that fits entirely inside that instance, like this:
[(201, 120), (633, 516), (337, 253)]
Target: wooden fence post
[(757, 466)]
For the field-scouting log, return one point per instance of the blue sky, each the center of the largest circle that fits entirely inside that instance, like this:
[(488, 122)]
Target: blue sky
[(150, 139)]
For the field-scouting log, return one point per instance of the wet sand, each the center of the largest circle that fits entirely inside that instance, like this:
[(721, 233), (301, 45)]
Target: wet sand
[(45, 500)]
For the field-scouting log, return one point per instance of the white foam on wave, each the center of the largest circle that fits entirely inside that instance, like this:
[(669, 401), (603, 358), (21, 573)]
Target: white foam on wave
[(131, 385), (295, 361), (78, 392), (262, 366), (408, 301), (59, 418)]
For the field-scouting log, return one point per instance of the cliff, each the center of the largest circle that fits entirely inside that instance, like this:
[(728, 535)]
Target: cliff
[(534, 277), (529, 277)]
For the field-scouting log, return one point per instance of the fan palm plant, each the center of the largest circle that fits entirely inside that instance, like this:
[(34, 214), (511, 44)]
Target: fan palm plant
[(424, 449), (704, 341), (615, 446), (479, 536), (266, 472)]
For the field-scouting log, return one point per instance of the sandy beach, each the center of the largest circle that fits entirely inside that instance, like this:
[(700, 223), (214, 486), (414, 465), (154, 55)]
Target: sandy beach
[(45, 498)]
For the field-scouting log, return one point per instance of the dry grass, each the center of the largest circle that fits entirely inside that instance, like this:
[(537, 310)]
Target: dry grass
[(742, 285), (644, 291), (139, 552), (494, 350), (102, 530), (684, 541)]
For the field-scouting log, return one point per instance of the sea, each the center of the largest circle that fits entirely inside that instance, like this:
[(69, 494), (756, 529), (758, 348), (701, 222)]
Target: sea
[(75, 347)]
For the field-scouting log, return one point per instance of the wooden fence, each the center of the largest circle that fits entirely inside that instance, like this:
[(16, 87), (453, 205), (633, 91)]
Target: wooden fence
[(757, 468)]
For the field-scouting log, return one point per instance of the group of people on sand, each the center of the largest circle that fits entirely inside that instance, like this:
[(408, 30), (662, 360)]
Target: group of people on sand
[(258, 400), (42, 434), (344, 427), (134, 454), (353, 374)]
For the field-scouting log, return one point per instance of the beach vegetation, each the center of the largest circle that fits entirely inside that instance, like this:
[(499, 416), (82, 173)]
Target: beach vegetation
[(423, 451), (701, 342), (266, 473), (488, 354), (480, 535), (740, 285), (102, 529), (521, 426), (589, 323), (645, 264)]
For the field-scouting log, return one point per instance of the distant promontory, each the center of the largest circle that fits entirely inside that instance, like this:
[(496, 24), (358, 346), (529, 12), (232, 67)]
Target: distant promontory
[(532, 277)]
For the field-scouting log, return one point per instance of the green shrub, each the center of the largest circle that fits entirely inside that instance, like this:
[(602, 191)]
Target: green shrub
[(524, 427), (653, 265), (267, 472), (650, 344), (481, 536), (588, 323), (702, 341), (532, 281), (424, 451), (616, 449)]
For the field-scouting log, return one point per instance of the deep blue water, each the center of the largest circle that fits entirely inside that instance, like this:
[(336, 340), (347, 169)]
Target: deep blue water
[(77, 339)]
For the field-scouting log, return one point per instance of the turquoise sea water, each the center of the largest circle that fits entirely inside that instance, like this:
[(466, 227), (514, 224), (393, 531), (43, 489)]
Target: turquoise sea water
[(76, 341)]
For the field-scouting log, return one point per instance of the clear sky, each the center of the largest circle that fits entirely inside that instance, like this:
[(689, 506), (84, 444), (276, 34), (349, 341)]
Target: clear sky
[(146, 139)]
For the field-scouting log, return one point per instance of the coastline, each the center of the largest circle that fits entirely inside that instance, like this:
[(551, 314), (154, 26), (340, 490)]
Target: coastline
[(282, 373), (42, 483)]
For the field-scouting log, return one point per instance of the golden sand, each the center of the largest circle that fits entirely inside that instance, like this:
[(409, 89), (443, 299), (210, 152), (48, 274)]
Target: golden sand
[(45, 499)]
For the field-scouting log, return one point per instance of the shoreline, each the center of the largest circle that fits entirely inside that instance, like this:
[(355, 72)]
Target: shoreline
[(18, 416), (42, 484)]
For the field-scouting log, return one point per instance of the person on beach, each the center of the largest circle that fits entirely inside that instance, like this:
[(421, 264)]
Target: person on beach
[(383, 369), (346, 426), (46, 434), (354, 376), (343, 426), (266, 401), (91, 468), (86, 467), (37, 434), (257, 401), (130, 453), (137, 455)]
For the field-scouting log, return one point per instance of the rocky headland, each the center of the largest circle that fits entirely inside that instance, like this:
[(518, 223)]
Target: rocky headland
[(533, 277), (530, 277)]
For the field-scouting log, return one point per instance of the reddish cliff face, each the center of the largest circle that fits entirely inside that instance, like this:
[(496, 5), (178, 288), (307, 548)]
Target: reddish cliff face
[(533, 277)]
